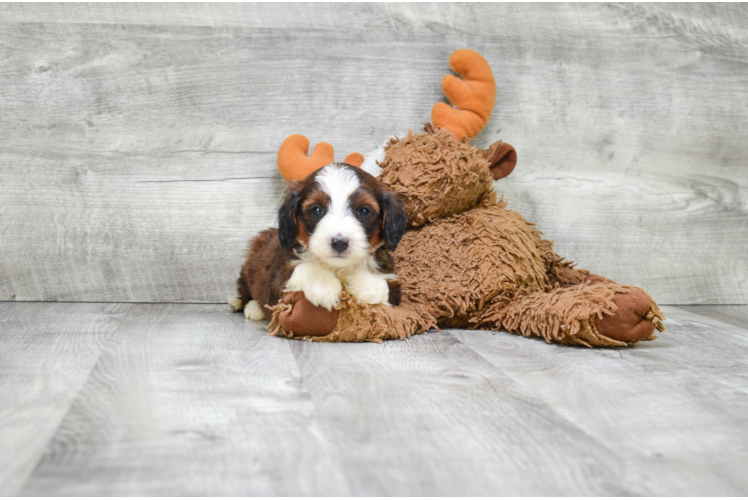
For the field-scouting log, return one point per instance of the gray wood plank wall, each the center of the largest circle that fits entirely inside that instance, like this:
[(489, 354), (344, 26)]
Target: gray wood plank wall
[(137, 141)]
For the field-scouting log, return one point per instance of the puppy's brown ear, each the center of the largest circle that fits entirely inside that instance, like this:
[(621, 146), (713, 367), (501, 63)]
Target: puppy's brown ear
[(395, 221), (287, 229)]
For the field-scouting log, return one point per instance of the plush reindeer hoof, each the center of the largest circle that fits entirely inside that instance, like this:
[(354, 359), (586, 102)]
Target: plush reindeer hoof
[(305, 319), (629, 323)]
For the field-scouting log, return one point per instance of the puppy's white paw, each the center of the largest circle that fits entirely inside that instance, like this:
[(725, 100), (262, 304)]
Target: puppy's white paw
[(325, 295), (253, 311), (235, 303), (368, 288), (320, 286)]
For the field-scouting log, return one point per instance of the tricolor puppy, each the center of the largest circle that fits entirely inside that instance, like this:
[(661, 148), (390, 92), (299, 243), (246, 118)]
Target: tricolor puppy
[(335, 230)]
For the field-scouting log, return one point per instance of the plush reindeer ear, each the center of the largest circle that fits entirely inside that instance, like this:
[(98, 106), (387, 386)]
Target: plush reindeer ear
[(287, 229), (395, 221), (502, 158)]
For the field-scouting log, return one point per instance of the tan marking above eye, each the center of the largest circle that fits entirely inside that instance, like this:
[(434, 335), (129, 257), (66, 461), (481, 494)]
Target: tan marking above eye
[(316, 197), (366, 199)]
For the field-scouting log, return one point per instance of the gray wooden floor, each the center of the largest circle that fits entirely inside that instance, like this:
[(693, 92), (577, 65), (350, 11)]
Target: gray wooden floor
[(121, 399)]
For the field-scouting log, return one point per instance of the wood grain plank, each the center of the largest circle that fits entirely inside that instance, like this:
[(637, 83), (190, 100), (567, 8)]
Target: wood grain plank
[(428, 416), (628, 121), (675, 410), (46, 353), (194, 400), (734, 315), (190, 400), (716, 21), (127, 232), (248, 15)]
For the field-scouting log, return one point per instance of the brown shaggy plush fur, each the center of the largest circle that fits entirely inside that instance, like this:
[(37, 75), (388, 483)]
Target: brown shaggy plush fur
[(470, 262), (435, 174)]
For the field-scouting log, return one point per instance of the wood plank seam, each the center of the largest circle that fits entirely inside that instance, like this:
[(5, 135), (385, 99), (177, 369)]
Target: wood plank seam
[(72, 400)]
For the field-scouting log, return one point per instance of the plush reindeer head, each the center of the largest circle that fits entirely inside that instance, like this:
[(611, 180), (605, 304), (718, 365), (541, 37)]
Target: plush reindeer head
[(438, 172)]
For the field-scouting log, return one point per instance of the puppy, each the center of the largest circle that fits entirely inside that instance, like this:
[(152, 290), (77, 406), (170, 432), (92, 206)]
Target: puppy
[(336, 228)]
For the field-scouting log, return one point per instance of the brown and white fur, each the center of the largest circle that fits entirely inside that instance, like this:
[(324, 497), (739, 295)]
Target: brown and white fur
[(336, 228)]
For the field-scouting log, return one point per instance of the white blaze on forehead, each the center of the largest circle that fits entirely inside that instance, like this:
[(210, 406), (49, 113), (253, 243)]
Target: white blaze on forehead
[(339, 183)]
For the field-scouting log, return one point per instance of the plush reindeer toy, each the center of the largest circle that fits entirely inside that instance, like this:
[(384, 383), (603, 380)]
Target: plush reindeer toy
[(465, 260)]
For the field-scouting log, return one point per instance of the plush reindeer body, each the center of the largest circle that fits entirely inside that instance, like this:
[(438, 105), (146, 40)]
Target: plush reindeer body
[(466, 260)]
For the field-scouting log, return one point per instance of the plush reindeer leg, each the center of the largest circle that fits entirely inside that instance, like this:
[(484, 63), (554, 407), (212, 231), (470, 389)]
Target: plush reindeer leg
[(296, 314), (635, 316), (353, 321), (559, 271), (601, 314)]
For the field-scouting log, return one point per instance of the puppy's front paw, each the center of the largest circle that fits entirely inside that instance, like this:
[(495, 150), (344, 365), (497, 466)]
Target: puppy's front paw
[(368, 288), (320, 286), (324, 293), (235, 303), (253, 311)]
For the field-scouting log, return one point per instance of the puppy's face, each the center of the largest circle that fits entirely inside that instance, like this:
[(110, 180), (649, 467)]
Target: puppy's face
[(339, 214)]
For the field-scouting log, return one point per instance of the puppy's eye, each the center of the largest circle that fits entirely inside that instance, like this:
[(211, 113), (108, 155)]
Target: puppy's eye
[(317, 211), (363, 211)]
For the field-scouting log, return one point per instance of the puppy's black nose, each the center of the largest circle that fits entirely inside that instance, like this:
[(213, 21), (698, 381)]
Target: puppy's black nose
[(339, 244)]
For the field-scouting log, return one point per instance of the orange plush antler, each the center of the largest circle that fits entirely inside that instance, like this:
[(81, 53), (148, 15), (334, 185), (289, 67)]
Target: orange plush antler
[(354, 159), (293, 162), (472, 97)]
